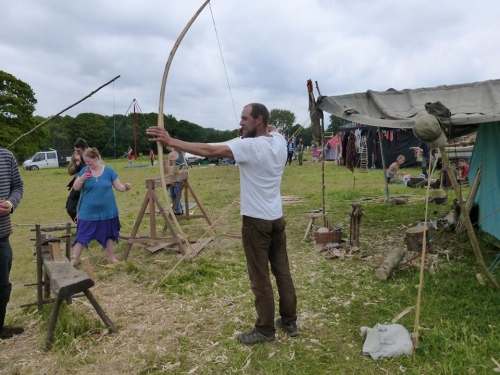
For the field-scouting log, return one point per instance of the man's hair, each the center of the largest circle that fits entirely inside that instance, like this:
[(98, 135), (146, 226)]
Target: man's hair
[(259, 109), (80, 143), (461, 160)]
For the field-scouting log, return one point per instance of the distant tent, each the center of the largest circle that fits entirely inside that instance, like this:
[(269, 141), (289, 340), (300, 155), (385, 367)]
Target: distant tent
[(395, 142), (473, 106)]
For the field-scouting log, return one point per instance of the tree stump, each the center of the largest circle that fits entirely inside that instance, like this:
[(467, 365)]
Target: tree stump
[(415, 238), (390, 263)]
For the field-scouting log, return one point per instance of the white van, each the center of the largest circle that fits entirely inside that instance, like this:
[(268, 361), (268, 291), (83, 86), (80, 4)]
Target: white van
[(48, 159)]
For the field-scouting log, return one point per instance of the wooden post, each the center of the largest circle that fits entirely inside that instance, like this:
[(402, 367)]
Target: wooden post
[(355, 214), (386, 184), (55, 250), (466, 220), (459, 227)]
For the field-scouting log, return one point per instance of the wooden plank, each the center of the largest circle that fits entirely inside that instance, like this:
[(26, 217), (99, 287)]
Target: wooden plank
[(200, 245), (157, 247), (53, 229), (65, 280), (44, 249), (233, 234), (152, 240), (55, 250), (170, 179)]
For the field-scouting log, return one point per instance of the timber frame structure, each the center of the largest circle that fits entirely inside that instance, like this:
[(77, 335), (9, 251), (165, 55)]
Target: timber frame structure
[(152, 202)]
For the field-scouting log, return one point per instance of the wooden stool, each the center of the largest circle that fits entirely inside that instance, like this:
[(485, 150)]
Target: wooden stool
[(66, 281), (55, 273), (312, 216)]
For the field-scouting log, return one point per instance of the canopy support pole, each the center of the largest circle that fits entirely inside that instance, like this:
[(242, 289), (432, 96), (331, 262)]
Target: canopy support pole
[(388, 198)]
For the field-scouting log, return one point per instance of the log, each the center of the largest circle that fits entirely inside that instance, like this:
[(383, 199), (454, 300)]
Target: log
[(415, 238), (390, 263)]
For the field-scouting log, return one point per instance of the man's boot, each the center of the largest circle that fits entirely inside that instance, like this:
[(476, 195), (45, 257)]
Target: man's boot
[(6, 332)]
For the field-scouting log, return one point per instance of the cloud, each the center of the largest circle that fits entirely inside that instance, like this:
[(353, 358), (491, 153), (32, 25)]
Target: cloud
[(65, 50)]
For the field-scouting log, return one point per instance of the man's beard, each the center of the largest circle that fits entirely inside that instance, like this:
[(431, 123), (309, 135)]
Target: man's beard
[(250, 133)]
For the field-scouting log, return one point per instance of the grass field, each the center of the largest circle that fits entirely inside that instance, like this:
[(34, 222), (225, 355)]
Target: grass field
[(182, 317)]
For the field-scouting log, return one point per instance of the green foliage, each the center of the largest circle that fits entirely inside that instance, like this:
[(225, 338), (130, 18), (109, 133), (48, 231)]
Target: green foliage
[(17, 104), (283, 119), (104, 132), (112, 135), (334, 124)]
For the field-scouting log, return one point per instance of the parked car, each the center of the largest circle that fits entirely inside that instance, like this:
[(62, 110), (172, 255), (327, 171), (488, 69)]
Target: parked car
[(48, 159), (193, 159)]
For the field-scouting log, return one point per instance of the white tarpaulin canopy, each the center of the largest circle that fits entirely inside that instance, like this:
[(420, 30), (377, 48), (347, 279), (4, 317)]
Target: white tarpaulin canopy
[(470, 104), (473, 106)]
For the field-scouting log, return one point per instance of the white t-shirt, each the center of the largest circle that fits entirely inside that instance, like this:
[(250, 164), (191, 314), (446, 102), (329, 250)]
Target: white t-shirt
[(261, 161)]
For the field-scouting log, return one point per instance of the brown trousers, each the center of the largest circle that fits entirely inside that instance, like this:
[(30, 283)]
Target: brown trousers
[(264, 242)]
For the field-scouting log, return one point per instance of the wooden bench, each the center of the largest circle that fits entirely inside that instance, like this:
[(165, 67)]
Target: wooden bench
[(55, 273), (66, 281)]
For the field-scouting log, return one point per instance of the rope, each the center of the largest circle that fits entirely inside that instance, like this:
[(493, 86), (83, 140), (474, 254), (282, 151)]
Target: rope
[(223, 63)]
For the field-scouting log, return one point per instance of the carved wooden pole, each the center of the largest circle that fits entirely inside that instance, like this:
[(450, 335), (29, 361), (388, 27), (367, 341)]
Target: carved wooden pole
[(355, 214)]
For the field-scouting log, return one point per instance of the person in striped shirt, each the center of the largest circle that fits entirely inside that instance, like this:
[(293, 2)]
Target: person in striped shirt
[(11, 193)]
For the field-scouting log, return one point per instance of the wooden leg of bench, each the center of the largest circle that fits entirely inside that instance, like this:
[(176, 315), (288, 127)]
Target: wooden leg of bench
[(52, 324), (100, 311), (309, 226)]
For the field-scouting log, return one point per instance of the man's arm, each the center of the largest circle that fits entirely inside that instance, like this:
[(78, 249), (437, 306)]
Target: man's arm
[(16, 186), (392, 168), (158, 134), (74, 164)]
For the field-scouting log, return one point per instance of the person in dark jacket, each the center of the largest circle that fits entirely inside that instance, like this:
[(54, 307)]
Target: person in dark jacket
[(75, 165)]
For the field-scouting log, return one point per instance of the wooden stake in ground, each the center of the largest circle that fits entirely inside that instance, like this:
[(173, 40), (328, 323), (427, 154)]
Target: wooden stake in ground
[(355, 214), (470, 199)]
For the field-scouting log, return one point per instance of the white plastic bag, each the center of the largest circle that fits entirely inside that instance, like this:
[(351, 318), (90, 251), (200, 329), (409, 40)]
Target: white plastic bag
[(386, 341)]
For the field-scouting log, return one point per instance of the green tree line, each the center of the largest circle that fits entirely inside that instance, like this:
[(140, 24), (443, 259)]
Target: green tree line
[(112, 135)]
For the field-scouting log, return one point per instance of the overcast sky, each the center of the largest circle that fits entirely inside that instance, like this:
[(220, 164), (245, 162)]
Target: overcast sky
[(66, 49)]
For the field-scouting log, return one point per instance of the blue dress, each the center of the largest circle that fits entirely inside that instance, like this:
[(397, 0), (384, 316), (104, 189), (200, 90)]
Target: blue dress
[(97, 209)]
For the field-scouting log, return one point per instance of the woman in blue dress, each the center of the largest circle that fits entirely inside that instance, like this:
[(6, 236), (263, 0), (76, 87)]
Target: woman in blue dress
[(97, 210)]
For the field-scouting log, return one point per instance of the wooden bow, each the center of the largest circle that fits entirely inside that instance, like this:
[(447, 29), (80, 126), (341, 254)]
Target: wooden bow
[(160, 117)]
